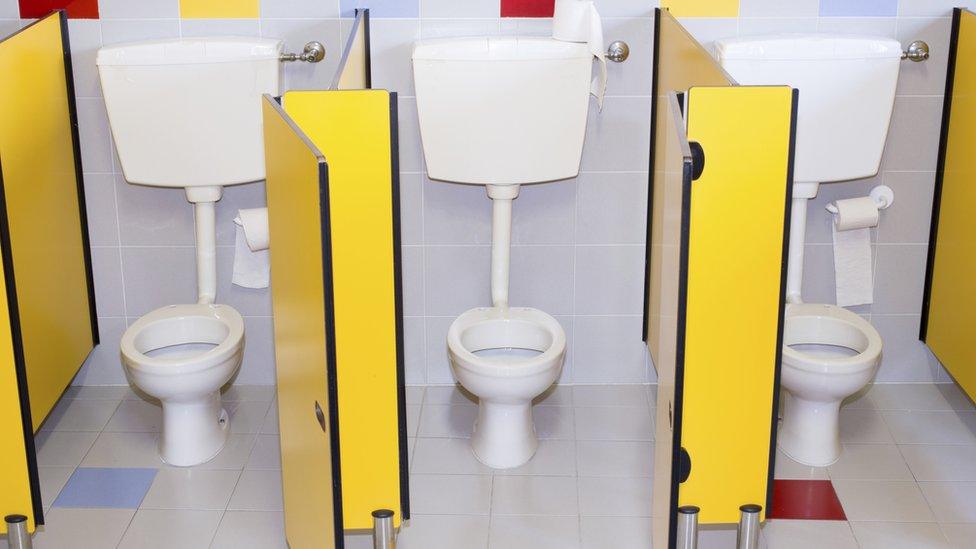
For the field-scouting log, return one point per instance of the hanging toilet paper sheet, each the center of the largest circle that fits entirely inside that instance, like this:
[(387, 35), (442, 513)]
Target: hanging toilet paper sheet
[(578, 21), (853, 271), (252, 265)]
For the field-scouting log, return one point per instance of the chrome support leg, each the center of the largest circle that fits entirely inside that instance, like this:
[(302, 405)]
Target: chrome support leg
[(748, 527), (17, 535), (384, 537), (687, 527)]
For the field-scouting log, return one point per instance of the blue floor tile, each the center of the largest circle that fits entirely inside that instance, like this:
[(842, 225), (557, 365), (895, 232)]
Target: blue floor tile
[(113, 488)]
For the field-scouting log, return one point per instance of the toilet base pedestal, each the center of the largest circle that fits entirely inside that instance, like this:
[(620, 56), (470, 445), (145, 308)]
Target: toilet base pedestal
[(504, 434), (193, 432), (810, 433)]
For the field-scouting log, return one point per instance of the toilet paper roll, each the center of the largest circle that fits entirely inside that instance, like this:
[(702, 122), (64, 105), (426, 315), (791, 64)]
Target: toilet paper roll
[(254, 221), (252, 262), (579, 21), (856, 213)]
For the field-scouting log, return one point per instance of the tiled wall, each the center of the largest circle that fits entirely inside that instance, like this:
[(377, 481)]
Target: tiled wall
[(578, 245)]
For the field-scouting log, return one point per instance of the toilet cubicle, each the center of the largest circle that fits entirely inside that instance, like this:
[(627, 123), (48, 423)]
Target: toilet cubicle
[(333, 208), (47, 308), (950, 291), (718, 220)]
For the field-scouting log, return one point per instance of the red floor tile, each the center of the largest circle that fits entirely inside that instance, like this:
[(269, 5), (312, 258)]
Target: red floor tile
[(806, 500)]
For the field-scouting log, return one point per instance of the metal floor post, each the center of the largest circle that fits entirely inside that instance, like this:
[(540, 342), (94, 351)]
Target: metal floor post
[(384, 536), (17, 535), (687, 537), (748, 537)]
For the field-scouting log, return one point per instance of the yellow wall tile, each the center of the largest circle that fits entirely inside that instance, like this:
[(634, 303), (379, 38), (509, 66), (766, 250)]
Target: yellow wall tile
[(702, 8), (219, 9)]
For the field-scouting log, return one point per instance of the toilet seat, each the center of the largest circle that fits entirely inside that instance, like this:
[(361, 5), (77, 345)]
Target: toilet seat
[(824, 324), (498, 328), (220, 325)]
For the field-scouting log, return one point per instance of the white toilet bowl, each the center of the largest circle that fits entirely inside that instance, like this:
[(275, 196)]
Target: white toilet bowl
[(817, 383), (186, 381), (504, 434)]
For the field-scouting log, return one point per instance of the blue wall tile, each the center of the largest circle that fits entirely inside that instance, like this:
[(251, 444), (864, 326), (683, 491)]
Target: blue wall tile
[(381, 8), (858, 8), (114, 488)]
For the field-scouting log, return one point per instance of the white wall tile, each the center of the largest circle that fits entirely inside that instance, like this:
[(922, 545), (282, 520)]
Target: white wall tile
[(438, 364), (457, 278), (544, 213), (626, 8), (155, 277), (455, 213), (107, 274), (617, 139), (411, 209), (909, 218), (412, 272), (115, 31), (612, 208), (872, 26), (414, 350), (258, 367), (153, 216), (542, 277), (454, 9), (411, 153), (775, 25), (391, 45), (913, 137), (299, 9), (143, 9), (904, 357), (94, 134), (779, 8), (85, 36), (103, 228), (899, 291), (9, 9), (930, 8), (220, 27), (103, 366), (609, 280), (612, 350), (451, 28)]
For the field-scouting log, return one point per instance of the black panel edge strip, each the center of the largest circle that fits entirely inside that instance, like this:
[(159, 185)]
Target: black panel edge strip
[(369, 63), (79, 178), (645, 323), (940, 174), (328, 294), (781, 319), (398, 296)]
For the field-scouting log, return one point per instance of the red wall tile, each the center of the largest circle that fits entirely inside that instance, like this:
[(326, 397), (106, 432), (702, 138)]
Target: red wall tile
[(77, 9), (527, 8)]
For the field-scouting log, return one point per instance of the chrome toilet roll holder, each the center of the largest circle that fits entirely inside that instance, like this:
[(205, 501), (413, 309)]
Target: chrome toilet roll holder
[(882, 195)]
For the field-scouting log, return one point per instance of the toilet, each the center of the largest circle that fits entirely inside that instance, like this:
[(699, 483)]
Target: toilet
[(846, 89), (186, 114), (474, 132)]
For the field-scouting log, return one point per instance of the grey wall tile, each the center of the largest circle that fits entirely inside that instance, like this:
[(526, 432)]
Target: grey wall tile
[(454, 9), (899, 278), (104, 365), (909, 218), (626, 8), (618, 138), (609, 280), (412, 271), (775, 25), (612, 208), (143, 9), (94, 135), (544, 213), (904, 358), (411, 153), (542, 277), (86, 37), (779, 8), (130, 30), (411, 208), (103, 228), (155, 277), (930, 8), (299, 9), (414, 350), (107, 274), (391, 45), (9, 9), (568, 324), (220, 27), (873, 26), (457, 278), (453, 28), (438, 364), (456, 213), (913, 137), (258, 367), (154, 216), (612, 350)]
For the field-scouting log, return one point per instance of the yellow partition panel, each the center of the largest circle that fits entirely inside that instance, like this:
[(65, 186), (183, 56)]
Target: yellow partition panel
[(219, 9), (736, 260), (950, 296), (702, 8), (354, 72), (297, 189), (46, 234), (356, 132)]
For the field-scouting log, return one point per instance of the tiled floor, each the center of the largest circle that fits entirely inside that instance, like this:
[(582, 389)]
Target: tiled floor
[(907, 477)]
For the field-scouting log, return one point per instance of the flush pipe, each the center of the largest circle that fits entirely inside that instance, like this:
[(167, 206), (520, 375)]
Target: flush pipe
[(204, 200), (501, 241), (802, 192)]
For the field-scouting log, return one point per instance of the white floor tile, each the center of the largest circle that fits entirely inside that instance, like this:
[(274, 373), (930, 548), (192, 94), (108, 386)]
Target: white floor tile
[(606, 458), (808, 534), (98, 392), (951, 427), (960, 536), (247, 416), (615, 532), (449, 394), (554, 422), (615, 497), (359, 541), (82, 528), (257, 491), (189, 488), (53, 480), (270, 425), (557, 395), (266, 453), (166, 529), (447, 421), (124, 450), (941, 462), (716, 536), (951, 501), (80, 415), (450, 494), (446, 456), (62, 448), (918, 396), (554, 457), (249, 392), (614, 423), (413, 419), (868, 500), (524, 495), (137, 416), (257, 529), (887, 535), (443, 532), (534, 533), (863, 426), (609, 395), (234, 454), (860, 400), (870, 462), (786, 468)]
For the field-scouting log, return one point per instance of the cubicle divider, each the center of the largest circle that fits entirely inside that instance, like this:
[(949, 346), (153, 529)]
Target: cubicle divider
[(47, 311), (333, 208), (950, 282), (718, 221)]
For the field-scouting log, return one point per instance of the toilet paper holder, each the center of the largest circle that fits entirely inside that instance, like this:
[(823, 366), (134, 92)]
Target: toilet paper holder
[(882, 195)]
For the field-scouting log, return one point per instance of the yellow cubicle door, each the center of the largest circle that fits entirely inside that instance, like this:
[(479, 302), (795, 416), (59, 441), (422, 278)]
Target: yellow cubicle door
[(354, 72), (950, 288), (356, 131), (48, 326), (304, 331)]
